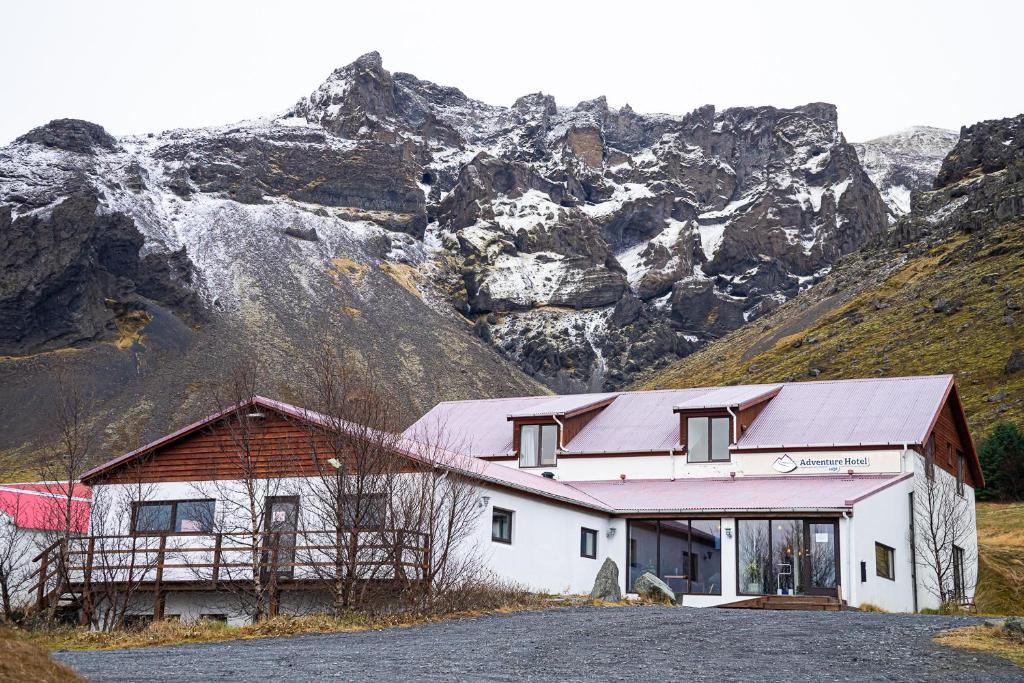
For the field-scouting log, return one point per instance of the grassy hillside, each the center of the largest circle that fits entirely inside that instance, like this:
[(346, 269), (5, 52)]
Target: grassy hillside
[(953, 308), (1000, 558)]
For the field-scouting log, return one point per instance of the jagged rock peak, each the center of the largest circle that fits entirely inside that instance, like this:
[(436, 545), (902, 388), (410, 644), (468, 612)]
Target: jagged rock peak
[(987, 146), (72, 135)]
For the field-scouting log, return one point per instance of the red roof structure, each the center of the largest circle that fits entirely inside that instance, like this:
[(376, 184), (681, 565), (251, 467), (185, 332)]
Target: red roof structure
[(43, 505)]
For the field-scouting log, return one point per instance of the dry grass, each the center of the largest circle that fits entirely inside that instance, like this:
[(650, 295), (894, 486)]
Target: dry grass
[(404, 275), (349, 269), (21, 660), (868, 607), (1000, 558), (177, 633), (986, 638)]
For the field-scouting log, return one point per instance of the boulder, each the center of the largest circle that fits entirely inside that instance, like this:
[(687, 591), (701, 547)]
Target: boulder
[(652, 588), (1015, 363), (1014, 626), (606, 585)]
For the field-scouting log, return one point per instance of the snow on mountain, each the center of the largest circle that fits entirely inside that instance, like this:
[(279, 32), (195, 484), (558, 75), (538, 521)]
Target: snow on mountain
[(905, 162), (584, 243)]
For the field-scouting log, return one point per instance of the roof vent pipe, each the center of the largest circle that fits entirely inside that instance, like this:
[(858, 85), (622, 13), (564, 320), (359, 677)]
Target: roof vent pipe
[(548, 475)]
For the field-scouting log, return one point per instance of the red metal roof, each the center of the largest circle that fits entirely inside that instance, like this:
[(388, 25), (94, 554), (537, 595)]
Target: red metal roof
[(43, 505), (877, 412)]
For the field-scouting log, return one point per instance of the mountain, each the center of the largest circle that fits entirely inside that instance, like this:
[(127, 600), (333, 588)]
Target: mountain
[(941, 292), (583, 243), (905, 162)]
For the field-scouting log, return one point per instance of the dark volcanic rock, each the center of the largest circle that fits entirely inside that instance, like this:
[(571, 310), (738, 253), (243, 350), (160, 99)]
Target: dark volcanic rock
[(72, 135), (983, 148)]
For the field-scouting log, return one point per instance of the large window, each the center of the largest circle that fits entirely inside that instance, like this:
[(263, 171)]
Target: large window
[(787, 556), (501, 526), (537, 445), (173, 516), (685, 554), (707, 439), (885, 565), (929, 457), (588, 543)]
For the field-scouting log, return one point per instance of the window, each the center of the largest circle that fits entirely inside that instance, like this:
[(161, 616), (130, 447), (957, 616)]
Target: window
[(588, 543), (366, 511), (929, 457), (959, 593), (885, 565), (686, 554), (501, 526), (949, 453), (707, 439), (960, 464), (537, 445), (173, 516)]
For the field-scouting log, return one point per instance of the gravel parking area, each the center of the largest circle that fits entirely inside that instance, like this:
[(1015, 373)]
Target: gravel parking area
[(584, 644)]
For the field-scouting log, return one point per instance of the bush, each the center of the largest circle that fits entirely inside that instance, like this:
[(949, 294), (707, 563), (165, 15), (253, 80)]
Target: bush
[(1002, 462)]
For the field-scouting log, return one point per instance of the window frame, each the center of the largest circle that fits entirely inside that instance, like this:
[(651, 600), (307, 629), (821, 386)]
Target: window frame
[(584, 533), (929, 457), (891, 554), (959, 585), (710, 439), (137, 505), (511, 517), (632, 548), (539, 453)]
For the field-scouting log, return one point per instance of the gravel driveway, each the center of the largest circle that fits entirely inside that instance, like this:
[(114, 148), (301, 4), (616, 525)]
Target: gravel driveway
[(584, 644)]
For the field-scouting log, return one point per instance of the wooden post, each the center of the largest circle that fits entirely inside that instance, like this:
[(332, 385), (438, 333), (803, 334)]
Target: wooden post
[(86, 616), (44, 567), (216, 557), (158, 603)]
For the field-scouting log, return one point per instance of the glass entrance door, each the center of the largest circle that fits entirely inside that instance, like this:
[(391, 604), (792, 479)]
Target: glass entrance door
[(787, 557), (822, 557)]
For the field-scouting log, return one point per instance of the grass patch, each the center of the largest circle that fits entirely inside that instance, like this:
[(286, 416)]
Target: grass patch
[(202, 631), (988, 638), (1000, 558), (21, 660)]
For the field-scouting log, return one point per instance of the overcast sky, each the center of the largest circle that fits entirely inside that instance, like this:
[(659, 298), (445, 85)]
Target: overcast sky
[(136, 66)]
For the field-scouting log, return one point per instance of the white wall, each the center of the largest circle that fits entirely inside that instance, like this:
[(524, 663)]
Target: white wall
[(26, 544), (881, 518), (545, 551), (665, 466)]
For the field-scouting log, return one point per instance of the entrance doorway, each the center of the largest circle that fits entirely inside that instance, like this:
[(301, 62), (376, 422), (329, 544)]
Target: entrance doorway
[(280, 520), (787, 557)]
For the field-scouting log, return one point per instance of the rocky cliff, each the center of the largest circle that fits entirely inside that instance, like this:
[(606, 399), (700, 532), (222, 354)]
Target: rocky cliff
[(905, 162), (939, 293), (584, 243)]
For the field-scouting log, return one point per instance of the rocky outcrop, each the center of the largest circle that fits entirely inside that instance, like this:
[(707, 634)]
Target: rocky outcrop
[(606, 584), (72, 271), (650, 587), (72, 135), (985, 147)]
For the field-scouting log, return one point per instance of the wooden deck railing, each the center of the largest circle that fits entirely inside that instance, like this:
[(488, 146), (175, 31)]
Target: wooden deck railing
[(167, 562)]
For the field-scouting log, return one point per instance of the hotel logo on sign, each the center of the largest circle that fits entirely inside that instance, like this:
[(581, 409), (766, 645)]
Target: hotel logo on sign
[(786, 464)]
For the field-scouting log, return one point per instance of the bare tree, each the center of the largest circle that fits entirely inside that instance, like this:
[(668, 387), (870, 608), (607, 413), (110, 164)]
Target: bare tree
[(247, 484), (944, 536), (114, 563), (443, 502), (15, 551), (63, 466), (350, 424)]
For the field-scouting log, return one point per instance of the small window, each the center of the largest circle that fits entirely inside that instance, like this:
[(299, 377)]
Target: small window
[(929, 457), (365, 512), (884, 562), (707, 439), (588, 543), (538, 445), (173, 516), (501, 526), (961, 463)]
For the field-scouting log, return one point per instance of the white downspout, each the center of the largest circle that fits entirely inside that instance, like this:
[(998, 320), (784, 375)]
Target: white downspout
[(672, 457), (735, 424), (561, 428), (853, 574)]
